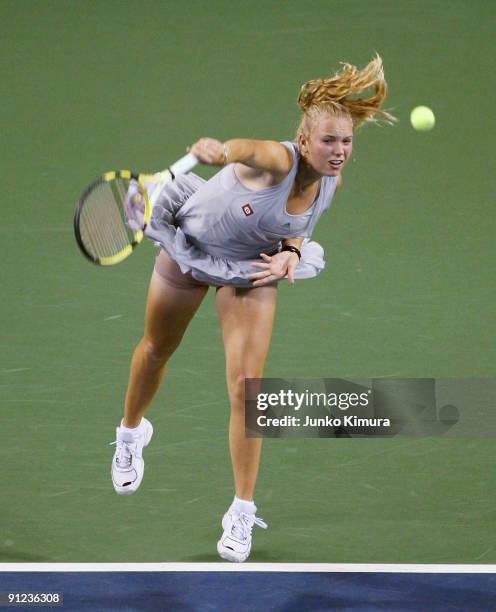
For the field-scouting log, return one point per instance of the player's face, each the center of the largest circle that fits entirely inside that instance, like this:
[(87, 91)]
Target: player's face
[(329, 144)]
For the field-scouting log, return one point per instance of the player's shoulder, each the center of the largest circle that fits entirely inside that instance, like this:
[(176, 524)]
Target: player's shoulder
[(291, 150), (275, 160), (286, 152)]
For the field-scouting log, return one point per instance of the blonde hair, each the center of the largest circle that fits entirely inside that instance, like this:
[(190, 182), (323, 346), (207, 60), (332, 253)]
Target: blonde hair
[(338, 96)]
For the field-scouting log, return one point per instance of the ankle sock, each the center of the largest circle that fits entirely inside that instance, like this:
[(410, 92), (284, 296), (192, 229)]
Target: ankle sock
[(130, 430), (244, 505)]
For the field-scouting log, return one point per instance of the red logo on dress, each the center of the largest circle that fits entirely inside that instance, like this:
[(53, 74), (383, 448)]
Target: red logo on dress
[(247, 209)]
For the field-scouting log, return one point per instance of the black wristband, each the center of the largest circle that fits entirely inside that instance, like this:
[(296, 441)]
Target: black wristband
[(291, 249)]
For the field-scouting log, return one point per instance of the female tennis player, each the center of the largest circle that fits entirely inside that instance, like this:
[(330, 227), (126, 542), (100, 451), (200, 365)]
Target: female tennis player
[(242, 231)]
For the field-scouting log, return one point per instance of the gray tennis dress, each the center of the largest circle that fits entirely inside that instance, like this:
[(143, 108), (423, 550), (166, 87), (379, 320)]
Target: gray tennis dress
[(216, 229)]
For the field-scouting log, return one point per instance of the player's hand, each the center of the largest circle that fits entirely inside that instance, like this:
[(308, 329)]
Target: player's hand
[(208, 151), (274, 268)]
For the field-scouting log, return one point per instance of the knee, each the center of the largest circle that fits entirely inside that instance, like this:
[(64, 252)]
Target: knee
[(236, 385), (158, 352)]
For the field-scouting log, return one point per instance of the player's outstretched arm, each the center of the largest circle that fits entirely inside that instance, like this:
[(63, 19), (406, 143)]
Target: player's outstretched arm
[(262, 155)]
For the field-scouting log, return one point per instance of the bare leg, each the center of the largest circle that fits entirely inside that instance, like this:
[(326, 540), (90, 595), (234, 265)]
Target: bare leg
[(168, 312), (246, 317)]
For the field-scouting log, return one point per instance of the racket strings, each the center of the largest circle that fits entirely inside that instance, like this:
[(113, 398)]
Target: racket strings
[(102, 221)]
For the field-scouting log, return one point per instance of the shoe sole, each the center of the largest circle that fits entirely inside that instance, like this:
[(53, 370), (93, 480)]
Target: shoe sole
[(228, 556), (135, 486)]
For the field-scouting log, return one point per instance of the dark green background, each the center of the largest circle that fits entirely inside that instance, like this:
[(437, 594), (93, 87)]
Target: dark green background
[(408, 291)]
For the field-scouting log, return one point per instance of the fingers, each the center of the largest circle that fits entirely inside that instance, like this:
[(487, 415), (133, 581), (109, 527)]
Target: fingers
[(267, 270), (256, 275), (260, 283), (263, 277), (265, 281), (274, 268), (208, 151), (268, 276), (291, 271)]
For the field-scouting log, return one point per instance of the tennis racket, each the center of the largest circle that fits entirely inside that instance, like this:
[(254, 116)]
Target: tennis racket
[(113, 212)]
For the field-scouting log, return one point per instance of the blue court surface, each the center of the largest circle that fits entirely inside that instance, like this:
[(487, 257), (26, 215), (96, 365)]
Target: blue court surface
[(254, 587)]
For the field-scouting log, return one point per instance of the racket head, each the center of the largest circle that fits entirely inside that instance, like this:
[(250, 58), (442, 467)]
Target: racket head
[(111, 216)]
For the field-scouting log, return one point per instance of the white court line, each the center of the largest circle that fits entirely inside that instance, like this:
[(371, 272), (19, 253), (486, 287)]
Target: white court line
[(412, 568)]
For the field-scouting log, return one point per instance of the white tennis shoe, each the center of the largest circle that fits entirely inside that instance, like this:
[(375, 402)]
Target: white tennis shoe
[(235, 543), (128, 465)]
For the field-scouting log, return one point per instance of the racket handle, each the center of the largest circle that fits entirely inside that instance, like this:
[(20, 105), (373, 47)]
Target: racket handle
[(184, 165)]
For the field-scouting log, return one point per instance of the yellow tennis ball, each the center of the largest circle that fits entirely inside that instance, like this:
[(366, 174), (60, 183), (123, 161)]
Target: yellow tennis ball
[(422, 118)]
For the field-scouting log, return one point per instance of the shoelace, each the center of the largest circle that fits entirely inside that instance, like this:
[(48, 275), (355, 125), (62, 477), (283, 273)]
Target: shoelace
[(123, 456), (243, 525)]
